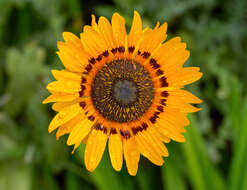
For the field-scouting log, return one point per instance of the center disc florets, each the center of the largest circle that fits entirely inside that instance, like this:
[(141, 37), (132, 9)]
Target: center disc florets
[(122, 91)]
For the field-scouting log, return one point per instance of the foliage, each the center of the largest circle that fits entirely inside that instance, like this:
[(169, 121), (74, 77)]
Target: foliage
[(213, 156)]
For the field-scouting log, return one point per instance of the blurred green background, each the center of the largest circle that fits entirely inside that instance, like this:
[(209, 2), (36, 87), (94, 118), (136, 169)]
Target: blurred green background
[(214, 156)]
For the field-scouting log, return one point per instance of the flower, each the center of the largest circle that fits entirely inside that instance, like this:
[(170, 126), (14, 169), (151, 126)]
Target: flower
[(124, 89)]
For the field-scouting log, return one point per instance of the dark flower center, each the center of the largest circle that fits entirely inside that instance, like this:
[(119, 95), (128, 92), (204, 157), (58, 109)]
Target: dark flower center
[(122, 91), (125, 92)]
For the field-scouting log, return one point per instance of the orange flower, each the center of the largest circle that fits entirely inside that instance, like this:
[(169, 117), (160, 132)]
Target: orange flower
[(127, 89)]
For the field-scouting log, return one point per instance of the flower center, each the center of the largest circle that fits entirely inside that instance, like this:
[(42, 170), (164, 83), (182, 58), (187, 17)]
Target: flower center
[(125, 92), (122, 91)]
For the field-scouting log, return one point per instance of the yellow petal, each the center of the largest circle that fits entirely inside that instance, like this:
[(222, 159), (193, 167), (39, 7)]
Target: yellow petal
[(169, 130), (80, 131), (59, 97), (58, 106), (116, 151), (72, 55), (94, 149), (185, 76), (119, 30), (167, 50), (64, 116), (106, 32), (65, 75), (67, 86), (135, 31), (153, 39), (93, 43), (68, 126), (71, 38), (180, 104), (147, 149), (185, 96), (156, 140), (131, 155), (93, 23), (175, 116)]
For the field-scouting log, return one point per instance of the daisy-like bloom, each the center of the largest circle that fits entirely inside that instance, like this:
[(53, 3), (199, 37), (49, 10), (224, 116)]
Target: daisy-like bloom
[(126, 89)]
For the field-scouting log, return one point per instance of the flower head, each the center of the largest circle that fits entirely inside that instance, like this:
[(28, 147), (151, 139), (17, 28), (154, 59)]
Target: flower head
[(124, 89)]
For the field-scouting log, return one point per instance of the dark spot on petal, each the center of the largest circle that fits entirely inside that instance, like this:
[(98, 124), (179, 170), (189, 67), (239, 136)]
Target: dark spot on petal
[(164, 94), (125, 134), (121, 49), (100, 127), (159, 72), (138, 52), (160, 108), (114, 50), (156, 114), (105, 53), (152, 119), (92, 61), (83, 87), (131, 49), (144, 126), (154, 63), (91, 118), (145, 55), (99, 58), (134, 130), (82, 104), (163, 82), (105, 130), (83, 80), (82, 90), (163, 102), (88, 67), (113, 131)]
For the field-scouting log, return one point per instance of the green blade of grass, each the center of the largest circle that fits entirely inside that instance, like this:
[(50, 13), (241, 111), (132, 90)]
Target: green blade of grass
[(202, 174), (172, 172), (238, 171)]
